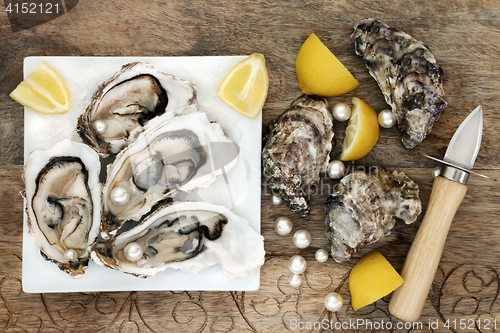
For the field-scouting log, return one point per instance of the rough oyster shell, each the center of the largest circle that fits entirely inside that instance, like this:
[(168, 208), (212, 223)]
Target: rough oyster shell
[(189, 236), (179, 154), (63, 202), (134, 95), (365, 206), (407, 74), (297, 150)]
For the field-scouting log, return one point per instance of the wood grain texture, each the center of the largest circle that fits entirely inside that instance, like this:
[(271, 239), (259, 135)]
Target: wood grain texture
[(464, 37)]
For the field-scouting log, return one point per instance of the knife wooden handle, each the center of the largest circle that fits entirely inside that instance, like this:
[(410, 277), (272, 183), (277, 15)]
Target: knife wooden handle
[(423, 258)]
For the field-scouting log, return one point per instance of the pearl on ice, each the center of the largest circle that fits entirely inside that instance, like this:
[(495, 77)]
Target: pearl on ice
[(302, 238), (386, 119), (283, 225), (295, 280), (119, 196), (321, 255), (297, 264), (275, 200), (336, 169), (133, 251), (100, 126), (436, 172), (341, 112), (334, 302), (70, 255)]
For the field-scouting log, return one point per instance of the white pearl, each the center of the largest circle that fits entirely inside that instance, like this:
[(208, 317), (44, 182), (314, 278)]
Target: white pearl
[(436, 172), (275, 200), (70, 255), (133, 251), (283, 225), (386, 119), (334, 302), (119, 196), (297, 264), (302, 238), (336, 169), (295, 280), (321, 255), (341, 111), (100, 126)]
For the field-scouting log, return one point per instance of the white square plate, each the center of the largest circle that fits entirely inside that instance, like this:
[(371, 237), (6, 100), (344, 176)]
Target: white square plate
[(82, 76)]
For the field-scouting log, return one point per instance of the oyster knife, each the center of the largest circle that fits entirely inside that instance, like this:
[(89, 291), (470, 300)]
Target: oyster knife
[(448, 191)]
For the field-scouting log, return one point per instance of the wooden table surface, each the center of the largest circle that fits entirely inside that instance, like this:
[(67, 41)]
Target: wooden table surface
[(464, 37)]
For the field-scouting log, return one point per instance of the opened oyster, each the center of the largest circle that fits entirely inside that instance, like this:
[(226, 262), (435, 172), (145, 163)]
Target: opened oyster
[(365, 206), (407, 74), (179, 154), (63, 203), (297, 150), (189, 236), (127, 101)]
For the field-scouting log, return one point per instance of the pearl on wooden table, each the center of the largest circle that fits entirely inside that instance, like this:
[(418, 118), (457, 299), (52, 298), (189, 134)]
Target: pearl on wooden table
[(70, 255), (283, 225), (341, 111), (336, 169), (334, 302), (436, 172), (119, 196), (297, 264), (275, 200), (302, 238), (133, 251), (386, 119), (100, 126), (295, 280), (321, 255)]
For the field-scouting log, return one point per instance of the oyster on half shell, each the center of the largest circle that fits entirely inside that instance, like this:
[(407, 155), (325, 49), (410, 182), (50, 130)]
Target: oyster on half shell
[(63, 203), (189, 236), (178, 154), (297, 150), (365, 206), (134, 95)]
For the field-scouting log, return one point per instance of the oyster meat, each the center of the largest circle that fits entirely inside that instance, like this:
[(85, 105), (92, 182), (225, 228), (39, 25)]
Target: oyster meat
[(133, 96), (179, 154), (297, 150), (189, 236), (407, 74), (63, 203), (365, 206)]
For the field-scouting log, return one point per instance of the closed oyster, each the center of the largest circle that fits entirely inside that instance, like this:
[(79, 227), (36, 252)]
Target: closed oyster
[(63, 203), (178, 154), (365, 206), (407, 74), (297, 150), (189, 236), (133, 96)]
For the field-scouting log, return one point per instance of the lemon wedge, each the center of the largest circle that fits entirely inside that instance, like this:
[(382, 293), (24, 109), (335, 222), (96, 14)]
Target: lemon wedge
[(372, 278), (361, 133), (244, 88), (43, 91), (319, 72)]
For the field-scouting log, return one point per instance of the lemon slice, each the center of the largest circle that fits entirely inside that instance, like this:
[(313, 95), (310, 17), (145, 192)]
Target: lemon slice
[(372, 278), (43, 91), (361, 133), (319, 72), (244, 88)]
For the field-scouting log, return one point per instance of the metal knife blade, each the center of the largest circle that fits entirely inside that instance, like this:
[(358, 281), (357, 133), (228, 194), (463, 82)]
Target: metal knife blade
[(464, 145)]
